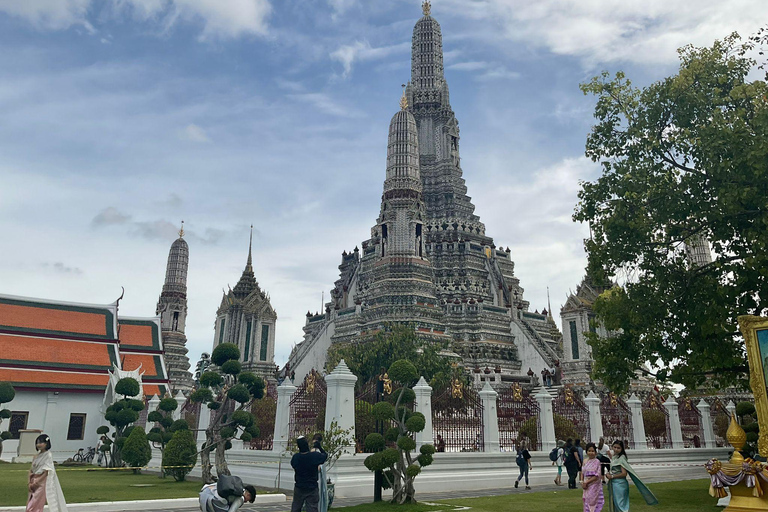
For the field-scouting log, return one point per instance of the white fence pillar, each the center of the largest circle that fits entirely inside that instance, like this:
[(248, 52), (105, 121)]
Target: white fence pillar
[(706, 424), (676, 431), (424, 405), (546, 420), (731, 408), (490, 418), (181, 400), (340, 402), (203, 423), (595, 419), (153, 403), (638, 426), (283, 415)]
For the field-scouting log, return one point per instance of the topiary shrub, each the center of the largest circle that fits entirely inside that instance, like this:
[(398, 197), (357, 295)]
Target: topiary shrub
[(7, 393), (127, 387), (136, 450), (180, 455)]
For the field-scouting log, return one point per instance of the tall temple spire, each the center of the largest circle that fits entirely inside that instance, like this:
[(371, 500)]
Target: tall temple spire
[(172, 309), (247, 282), (427, 57), (250, 248)]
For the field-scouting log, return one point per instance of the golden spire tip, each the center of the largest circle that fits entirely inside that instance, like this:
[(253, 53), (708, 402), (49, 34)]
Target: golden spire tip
[(426, 7), (181, 231), (403, 100)]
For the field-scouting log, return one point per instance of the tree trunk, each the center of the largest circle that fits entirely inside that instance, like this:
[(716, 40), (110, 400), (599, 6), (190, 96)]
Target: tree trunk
[(205, 457), (221, 460)]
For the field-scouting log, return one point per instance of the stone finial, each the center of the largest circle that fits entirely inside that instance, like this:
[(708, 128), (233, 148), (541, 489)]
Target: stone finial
[(341, 369), (422, 383), (181, 231), (426, 7), (286, 382), (633, 398), (154, 398), (670, 401), (592, 395), (488, 387)]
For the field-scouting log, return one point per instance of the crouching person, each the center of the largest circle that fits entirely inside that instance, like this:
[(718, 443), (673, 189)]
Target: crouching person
[(226, 495), (305, 465)]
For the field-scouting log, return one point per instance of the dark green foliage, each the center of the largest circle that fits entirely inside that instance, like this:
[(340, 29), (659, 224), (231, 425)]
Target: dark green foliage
[(751, 427), (416, 422), (404, 372), (127, 386), (390, 456), (398, 342), (383, 411), (246, 437), (155, 416), (427, 449), (655, 423), (425, 459), (5, 414), (564, 428), (408, 396), (406, 443), (166, 422), (228, 445), (201, 395), (214, 405), (168, 404), (180, 451), (239, 393), (5, 435), (136, 450), (210, 379), (683, 159), (7, 393), (178, 425), (227, 432), (752, 437), (223, 353), (135, 405), (392, 434), (242, 418), (254, 430), (374, 442), (745, 409), (413, 470), (126, 417), (231, 367), (102, 430)]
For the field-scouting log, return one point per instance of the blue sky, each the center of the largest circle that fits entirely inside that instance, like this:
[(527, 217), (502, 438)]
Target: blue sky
[(119, 119)]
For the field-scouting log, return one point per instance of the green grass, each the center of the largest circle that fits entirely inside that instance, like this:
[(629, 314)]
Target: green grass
[(90, 486), (685, 496)]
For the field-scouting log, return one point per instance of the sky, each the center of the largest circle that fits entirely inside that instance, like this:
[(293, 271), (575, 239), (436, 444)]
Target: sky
[(119, 119)]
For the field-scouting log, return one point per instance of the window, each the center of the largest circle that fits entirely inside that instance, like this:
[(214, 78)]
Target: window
[(221, 330), (247, 340), (175, 325), (574, 340), (264, 342), (18, 422), (76, 426)]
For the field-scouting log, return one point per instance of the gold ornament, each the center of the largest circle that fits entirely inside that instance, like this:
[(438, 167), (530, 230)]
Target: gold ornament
[(517, 392), (737, 438), (426, 7), (457, 389)]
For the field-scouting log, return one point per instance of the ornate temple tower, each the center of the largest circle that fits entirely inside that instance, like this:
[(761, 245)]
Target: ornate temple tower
[(246, 318), (172, 309)]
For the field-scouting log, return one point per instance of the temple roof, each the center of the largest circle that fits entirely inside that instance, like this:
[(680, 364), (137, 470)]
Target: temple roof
[(247, 282)]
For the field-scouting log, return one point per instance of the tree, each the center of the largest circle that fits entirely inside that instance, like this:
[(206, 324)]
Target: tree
[(655, 423), (399, 467), (136, 450), (121, 415), (684, 163), (180, 454), (161, 434), (395, 342), (7, 393), (230, 393)]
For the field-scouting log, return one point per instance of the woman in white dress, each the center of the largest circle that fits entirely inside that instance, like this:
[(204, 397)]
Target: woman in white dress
[(43, 482)]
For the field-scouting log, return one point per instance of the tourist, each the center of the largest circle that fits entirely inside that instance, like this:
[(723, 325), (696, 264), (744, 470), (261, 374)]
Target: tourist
[(572, 463), (581, 456), (592, 483), (213, 500), (440, 444), (305, 465), (43, 483), (322, 477), (523, 461), (618, 486), (604, 456), (559, 461)]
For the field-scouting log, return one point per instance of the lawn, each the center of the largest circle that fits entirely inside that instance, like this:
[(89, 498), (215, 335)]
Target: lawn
[(685, 496), (81, 486)]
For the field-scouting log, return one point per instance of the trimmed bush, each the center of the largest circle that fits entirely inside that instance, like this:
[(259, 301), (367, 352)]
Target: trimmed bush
[(180, 451), (225, 352), (136, 450), (127, 386)]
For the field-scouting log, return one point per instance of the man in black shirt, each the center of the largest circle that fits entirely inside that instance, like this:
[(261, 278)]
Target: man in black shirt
[(305, 465)]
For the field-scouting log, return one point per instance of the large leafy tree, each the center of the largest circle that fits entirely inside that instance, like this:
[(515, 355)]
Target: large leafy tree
[(683, 160), (230, 393)]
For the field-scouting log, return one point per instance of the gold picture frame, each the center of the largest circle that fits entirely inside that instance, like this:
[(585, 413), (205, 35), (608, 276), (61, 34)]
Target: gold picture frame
[(755, 332)]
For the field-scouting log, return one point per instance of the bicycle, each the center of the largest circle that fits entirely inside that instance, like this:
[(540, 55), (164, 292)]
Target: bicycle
[(80, 456)]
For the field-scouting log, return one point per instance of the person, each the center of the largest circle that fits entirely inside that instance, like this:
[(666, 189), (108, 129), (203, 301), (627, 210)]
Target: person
[(617, 480), (581, 456), (322, 477), (43, 483), (305, 466), (604, 456), (523, 461), (559, 461), (592, 484), (572, 462), (440, 445), (210, 501)]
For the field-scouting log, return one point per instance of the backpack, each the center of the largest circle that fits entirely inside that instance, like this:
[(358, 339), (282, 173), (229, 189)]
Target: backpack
[(553, 454), (229, 487), (520, 460), (569, 458)]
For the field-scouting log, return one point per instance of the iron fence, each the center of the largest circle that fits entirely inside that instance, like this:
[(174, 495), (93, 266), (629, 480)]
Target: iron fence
[(518, 412)]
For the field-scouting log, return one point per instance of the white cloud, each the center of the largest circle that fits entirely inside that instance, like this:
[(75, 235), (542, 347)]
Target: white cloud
[(341, 6), (484, 71), (325, 103), (363, 51), (195, 133), (230, 18), (643, 31)]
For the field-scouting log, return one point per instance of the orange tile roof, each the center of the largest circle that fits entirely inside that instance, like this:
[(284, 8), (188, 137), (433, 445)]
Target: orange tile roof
[(150, 364), (54, 379), (60, 353), (39, 317), (134, 333), (155, 389)]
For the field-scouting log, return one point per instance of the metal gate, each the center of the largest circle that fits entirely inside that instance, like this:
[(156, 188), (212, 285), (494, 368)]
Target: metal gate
[(658, 438), (690, 424), (571, 416), (308, 406), (457, 418), (264, 411), (518, 411), (365, 424), (616, 419), (720, 421)]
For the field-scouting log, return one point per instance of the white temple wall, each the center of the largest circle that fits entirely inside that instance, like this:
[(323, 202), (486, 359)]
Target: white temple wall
[(317, 352), (50, 412), (527, 353)]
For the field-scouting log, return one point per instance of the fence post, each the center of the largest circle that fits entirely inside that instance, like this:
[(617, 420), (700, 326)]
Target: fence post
[(490, 418), (424, 405), (203, 423), (676, 432), (340, 401), (638, 427), (283, 416), (595, 419), (546, 420), (181, 400), (153, 403), (706, 424), (731, 408)]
